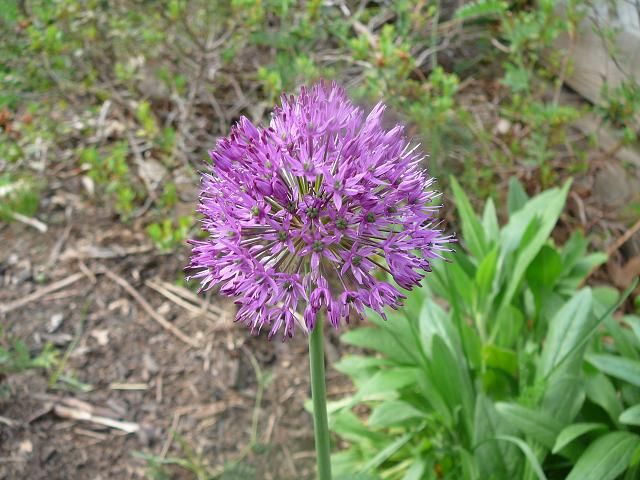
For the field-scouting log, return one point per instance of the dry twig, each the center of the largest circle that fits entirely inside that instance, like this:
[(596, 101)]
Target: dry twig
[(164, 323), (41, 293), (212, 312)]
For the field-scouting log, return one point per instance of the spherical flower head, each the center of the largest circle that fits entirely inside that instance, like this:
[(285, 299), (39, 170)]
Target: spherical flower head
[(304, 215)]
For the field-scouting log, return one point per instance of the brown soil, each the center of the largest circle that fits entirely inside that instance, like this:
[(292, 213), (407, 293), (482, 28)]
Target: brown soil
[(205, 394)]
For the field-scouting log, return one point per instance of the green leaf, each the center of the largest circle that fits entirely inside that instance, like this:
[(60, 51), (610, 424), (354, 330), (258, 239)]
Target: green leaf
[(416, 471), (451, 378), (346, 424), (601, 391), (564, 397), (574, 249), (605, 458), (468, 465), (544, 269), (434, 320), (393, 412), (619, 367), (481, 8), (356, 366), (536, 424), (634, 322), (526, 449), (566, 330), (472, 231), (494, 459), (527, 231), (631, 416), (387, 451), (501, 358), (490, 222), (484, 281), (385, 382), (508, 326), (570, 433), (379, 340), (516, 196)]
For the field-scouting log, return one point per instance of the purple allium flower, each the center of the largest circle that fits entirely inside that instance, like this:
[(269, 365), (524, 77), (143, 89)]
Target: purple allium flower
[(302, 214)]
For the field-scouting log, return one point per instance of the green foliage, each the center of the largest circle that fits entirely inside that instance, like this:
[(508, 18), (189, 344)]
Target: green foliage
[(622, 108), (110, 171), (16, 358), (489, 370), (168, 235), (17, 196)]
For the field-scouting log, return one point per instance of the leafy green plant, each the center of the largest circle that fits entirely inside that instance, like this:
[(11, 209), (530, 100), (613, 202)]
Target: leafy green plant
[(110, 171), (17, 196), (168, 234), (500, 367), (17, 358)]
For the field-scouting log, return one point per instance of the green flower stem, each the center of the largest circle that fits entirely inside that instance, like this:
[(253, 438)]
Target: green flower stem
[(319, 397)]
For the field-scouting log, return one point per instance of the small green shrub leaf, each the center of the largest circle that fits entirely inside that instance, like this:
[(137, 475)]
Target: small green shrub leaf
[(570, 433), (631, 416), (619, 367), (606, 458), (536, 424)]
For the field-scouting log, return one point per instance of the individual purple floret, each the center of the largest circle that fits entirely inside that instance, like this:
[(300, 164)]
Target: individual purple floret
[(301, 215)]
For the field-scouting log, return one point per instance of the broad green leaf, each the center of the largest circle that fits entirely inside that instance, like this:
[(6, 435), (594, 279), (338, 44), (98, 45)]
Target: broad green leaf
[(494, 459), (631, 416), (356, 366), (570, 433), (387, 451), (484, 281), (472, 346), (564, 397), (606, 458), (346, 424), (508, 326), (501, 358), (516, 196), (416, 470), (382, 341), (468, 465), (393, 412), (540, 213), (601, 391), (386, 382), (434, 320), (490, 222), (544, 269), (435, 399), (619, 367), (526, 449), (464, 285), (634, 322), (345, 462), (451, 378), (536, 424), (566, 330), (574, 249), (472, 231), (586, 263)]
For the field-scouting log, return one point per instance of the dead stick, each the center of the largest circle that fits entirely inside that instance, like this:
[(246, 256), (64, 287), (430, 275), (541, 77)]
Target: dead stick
[(613, 248), (620, 241), (149, 309), (41, 293), (177, 300), (75, 414)]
